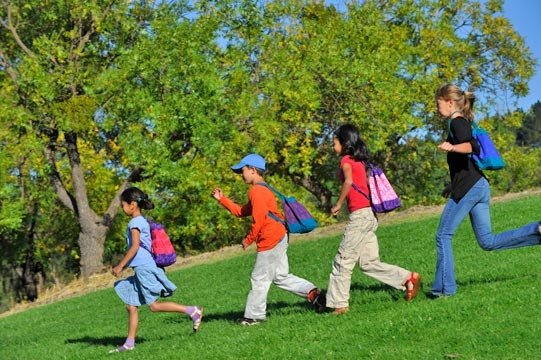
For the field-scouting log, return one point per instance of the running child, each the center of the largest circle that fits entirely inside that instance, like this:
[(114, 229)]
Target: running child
[(359, 243), (149, 281), (469, 192), (271, 238)]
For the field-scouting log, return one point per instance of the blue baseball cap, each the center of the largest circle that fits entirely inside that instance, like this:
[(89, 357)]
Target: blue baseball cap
[(254, 160)]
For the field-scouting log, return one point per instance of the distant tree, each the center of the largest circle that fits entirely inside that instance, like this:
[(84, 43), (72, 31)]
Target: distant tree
[(529, 134)]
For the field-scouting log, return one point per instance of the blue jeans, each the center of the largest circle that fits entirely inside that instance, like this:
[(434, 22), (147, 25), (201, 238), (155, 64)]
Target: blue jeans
[(476, 203)]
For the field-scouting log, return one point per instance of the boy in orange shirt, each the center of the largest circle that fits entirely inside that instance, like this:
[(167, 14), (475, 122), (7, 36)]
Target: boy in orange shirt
[(271, 238)]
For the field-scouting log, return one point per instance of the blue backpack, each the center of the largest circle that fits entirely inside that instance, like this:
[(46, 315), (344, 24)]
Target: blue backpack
[(298, 218), (488, 158)]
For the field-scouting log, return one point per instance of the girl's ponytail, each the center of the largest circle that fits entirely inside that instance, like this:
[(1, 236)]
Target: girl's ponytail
[(146, 203), (467, 110), (137, 195)]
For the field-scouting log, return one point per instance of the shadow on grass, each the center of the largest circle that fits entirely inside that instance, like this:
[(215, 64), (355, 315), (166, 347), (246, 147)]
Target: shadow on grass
[(480, 280), (103, 341), (376, 288), (273, 309), (474, 282), (427, 283)]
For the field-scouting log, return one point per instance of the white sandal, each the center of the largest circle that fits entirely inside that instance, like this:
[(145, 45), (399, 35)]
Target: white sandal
[(197, 318)]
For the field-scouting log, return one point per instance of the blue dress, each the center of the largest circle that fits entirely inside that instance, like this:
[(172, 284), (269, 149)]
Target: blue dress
[(149, 281)]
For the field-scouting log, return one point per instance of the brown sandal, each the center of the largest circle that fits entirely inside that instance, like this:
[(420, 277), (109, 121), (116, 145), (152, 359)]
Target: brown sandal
[(415, 281)]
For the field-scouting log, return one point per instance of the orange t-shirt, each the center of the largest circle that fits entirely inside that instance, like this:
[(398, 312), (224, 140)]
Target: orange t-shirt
[(265, 231)]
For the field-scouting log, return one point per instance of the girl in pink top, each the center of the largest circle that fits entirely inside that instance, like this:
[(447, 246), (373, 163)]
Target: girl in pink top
[(359, 243)]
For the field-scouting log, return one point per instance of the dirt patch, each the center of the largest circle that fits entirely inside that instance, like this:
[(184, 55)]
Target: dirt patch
[(106, 280)]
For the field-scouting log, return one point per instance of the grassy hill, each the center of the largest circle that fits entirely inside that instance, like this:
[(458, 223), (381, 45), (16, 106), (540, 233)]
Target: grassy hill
[(493, 316)]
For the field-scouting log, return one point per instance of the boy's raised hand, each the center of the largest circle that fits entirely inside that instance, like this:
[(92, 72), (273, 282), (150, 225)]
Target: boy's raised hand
[(217, 193)]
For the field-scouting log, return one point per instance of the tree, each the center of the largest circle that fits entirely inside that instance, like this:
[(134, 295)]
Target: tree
[(172, 92), (297, 69), (529, 134), (51, 55)]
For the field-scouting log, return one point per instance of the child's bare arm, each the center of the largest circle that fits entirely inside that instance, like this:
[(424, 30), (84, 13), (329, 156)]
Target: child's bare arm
[(129, 254)]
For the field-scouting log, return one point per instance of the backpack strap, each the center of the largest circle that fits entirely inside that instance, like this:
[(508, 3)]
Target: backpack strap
[(474, 128), (354, 186), (142, 244), (367, 165), (276, 192), (280, 196)]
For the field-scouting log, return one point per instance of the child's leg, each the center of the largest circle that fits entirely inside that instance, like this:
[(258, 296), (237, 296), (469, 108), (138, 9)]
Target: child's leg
[(282, 278), (262, 275), (133, 321), (372, 266), (194, 312), (346, 258), (453, 214), (167, 306), (526, 235)]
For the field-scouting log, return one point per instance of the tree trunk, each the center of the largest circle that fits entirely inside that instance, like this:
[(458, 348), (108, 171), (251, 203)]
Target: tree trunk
[(91, 244), (314, 186), (93, 228)]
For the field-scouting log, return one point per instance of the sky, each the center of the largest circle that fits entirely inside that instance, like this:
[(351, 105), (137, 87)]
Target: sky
[(524, 15)]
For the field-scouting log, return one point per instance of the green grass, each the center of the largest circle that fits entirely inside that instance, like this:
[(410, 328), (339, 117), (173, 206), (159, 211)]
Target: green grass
[(493, 316)]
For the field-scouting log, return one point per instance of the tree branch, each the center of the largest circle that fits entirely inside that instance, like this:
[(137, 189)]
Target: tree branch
[(113, 208), (65, 198), (9, 25)]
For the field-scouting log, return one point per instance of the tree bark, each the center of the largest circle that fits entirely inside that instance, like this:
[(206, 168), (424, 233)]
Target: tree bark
[(91, 244), (323, 195), (93, 228)]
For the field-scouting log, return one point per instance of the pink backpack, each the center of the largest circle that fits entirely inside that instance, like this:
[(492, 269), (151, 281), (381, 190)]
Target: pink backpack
[(382, 196), (162, 249)]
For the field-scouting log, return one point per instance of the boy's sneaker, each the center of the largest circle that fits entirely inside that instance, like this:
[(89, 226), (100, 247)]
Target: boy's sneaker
[(197, 318), (122, 348), (248, 322), (317, 299)]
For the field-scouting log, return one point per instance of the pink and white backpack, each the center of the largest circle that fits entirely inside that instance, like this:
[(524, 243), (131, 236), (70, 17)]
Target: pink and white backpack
[(382, 196)]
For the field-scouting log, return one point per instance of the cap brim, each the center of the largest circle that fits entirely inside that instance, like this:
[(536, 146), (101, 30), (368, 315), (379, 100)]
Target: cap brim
[(237, 168)]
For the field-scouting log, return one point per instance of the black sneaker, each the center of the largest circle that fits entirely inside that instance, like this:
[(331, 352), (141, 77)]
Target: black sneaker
[(317, 300), (248, 322)]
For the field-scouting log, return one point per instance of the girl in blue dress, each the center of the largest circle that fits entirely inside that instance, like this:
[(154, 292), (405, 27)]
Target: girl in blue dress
[(149, 282)]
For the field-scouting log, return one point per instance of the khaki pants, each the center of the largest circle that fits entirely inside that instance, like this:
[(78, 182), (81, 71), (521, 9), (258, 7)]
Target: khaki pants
[(360, 245), (272, 266)]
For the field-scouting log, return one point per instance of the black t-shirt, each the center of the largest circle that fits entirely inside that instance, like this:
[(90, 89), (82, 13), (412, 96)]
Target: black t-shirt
[(464, 173)]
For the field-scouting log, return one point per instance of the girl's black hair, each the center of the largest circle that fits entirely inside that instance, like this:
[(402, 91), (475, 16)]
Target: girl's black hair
[(135, 194), (351, 142)]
